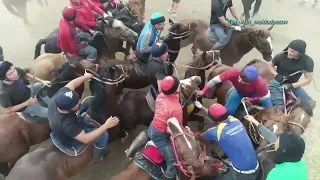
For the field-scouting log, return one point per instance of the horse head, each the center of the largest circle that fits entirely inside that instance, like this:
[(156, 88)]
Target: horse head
[(259, 39), (115, 29), (188, 87), (136, 8), (131, 23), (181, 30), (299, 117), (190, 155)]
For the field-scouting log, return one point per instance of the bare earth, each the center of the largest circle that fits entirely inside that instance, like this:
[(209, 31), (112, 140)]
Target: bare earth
[(18, 42)]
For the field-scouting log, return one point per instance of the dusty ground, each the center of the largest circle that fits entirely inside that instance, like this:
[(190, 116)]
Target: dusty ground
[(18, 42)]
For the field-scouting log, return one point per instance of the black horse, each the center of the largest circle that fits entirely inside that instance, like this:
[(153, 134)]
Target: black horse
[(247, 7)]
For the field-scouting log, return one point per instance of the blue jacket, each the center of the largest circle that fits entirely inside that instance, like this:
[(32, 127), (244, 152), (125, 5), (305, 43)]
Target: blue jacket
[(147, 38)]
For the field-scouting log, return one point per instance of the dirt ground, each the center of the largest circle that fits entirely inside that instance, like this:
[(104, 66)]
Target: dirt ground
[(18, 42)]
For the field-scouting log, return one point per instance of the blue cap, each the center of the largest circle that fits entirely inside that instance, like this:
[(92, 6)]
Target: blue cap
[(251, 72), (66, 100), (158, 49), (157, 18)]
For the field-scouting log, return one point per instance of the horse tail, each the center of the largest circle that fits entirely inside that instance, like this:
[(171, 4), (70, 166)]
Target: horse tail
[(256, 7), (37, 51)]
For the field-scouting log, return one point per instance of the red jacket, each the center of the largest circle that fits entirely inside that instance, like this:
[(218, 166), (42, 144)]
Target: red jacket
[(67, 38), (85, 15)]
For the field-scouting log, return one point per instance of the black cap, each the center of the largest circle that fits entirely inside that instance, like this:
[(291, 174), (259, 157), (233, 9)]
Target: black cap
[(297, 45)]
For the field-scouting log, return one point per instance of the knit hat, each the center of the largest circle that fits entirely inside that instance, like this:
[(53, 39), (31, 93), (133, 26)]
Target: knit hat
[(291, 148), (66, 100), (69, 13), (297, 45), (4, 67), (157, 18), (251, 72), (217, 112), (159, 49), (169, 85)]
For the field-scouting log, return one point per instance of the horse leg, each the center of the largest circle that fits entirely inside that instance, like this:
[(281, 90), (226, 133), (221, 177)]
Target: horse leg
[(247, 15)]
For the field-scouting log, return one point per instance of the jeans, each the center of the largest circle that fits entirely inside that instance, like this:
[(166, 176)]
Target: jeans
[(163, 143), (276, 91), (89, 52), (36, 109), (234, 100), (222, 33), (234, 175)]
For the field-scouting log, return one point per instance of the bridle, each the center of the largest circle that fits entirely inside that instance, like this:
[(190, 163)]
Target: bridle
[(259, 45), (118, 35), (183, 34), (108, 81)]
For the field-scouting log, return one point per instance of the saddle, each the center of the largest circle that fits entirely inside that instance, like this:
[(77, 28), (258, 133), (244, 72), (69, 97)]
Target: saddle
[(151, 97), (151, 161)]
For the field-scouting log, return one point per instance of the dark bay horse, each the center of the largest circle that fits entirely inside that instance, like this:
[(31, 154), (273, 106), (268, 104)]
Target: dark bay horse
[(247, 7), (194, 32), (191, 157), (54, 163), (112, 30), (133, 108)]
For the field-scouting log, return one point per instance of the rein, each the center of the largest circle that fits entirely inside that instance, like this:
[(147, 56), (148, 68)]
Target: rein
[(183, 34), (178, 163), (108, 81)]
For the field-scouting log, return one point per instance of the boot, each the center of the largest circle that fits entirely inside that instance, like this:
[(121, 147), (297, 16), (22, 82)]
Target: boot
[(137, 143), (99, 154)]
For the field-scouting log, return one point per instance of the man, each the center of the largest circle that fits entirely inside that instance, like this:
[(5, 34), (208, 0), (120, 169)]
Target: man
[(112, 4), (167, 106), (292, 60), (248, 86), (148, 36), (68, 39), (289, 148), (15, 96), (85, 19), (219, 26), (1, 54), (157, 68), (64, 123), (233, 139)]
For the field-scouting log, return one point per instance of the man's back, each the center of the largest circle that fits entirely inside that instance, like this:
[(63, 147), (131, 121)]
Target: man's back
[(218, 9)]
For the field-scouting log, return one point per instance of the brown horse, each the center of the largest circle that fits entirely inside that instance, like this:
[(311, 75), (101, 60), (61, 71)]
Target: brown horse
[(191, 158), (56, 164), (135, 107), (137, 9), (194, 32)]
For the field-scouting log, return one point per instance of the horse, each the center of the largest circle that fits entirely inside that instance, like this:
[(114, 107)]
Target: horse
[(247, 7), (17, 8), (111, 28), (194, 32), (136, 10), (191, 158), (135, 107), (55, 163)]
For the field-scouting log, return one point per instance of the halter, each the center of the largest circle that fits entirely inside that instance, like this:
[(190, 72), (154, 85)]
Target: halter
[(108, 81), (178, 163), (261, 50), (197, 68), (183, 34)]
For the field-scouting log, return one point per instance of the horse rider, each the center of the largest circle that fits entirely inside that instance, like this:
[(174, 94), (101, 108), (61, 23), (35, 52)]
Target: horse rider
[(66, 126), (289, 148), (220, 28), (157, 68), (1, 54), (15, 96), (231, 136), (148, 36), (292, 60), (85, 18), (248, 85), (167, 106), (68, 39), (110, 4)]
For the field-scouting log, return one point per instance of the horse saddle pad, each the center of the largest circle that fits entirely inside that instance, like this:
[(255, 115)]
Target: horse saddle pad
[(31, 119), (140, 67), (143, 160), (69, 150), (150, 97), (210, 35)]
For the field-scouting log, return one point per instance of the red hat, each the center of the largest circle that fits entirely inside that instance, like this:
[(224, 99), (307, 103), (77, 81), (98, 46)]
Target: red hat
[(169, 85), (217, 112), (69, 13)]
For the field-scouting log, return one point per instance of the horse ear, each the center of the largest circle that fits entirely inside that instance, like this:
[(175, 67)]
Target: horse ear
[(171, 22)]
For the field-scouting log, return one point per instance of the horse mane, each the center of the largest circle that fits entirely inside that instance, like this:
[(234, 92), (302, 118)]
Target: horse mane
[(271, 114), (255, 29)]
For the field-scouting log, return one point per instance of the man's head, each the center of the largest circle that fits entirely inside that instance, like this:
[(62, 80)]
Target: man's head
[(8, 71), (170, 85), (248, 74), (68, 101), (217, 112), (296, 48), (157, 19), (69, 13), (160, 51), (289, 147)]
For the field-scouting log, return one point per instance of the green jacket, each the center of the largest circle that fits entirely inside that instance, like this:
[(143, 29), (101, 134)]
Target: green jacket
[(289, 171)]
